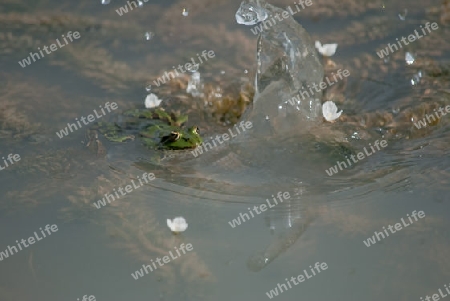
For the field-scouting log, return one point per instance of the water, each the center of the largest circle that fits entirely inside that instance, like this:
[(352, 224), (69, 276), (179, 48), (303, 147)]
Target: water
[(326, 219), (287, 64), (194, 86)]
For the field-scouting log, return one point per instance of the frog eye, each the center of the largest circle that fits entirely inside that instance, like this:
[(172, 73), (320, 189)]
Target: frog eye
[(196, 130), (174, 136)]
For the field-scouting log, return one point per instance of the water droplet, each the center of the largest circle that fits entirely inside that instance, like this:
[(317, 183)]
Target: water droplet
[(416, 78), (282, 111), (195, 85), (218, 92), (222, 72), (250, 14), (355, 135), (185, 12), (409, 58), (403, 16), (245, 71), (140, 3), (148, 88), (381, 131), (193, 68), (267, 117), (149, 35), (105, 2), (196, 76)]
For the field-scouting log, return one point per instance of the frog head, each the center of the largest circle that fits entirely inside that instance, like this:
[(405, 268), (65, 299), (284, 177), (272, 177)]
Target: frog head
[(181, 139)]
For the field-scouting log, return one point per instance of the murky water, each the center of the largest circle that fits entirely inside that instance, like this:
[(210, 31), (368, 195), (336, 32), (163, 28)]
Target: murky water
[(325, 219)]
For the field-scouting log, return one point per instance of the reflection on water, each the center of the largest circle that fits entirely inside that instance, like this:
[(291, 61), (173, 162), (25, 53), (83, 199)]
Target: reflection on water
[(56, 181)]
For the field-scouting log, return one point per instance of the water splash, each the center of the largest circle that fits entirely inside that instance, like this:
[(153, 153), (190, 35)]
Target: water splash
[(193, 68), (195, 86), (287, 63), (416, 78), (251, 13)]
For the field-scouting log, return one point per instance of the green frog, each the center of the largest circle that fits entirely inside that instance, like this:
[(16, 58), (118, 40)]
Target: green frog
[(155, 128)]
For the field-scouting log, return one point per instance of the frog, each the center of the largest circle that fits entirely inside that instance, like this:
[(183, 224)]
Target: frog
[(155, 129)]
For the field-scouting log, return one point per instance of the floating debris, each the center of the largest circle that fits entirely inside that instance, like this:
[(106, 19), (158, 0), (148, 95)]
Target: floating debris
[(177, 225), (185, 12), (105, 2), (409, 58), (152, 101), (330, 111), (326, 49)]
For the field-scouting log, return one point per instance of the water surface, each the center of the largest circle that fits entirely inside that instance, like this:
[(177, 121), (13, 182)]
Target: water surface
[(95, 251)]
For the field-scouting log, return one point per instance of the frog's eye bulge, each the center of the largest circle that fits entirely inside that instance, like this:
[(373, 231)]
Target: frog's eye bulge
[(196, 130), (174, 136)]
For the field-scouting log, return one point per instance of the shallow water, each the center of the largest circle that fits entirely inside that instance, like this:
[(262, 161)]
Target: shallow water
[(326, 219)]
